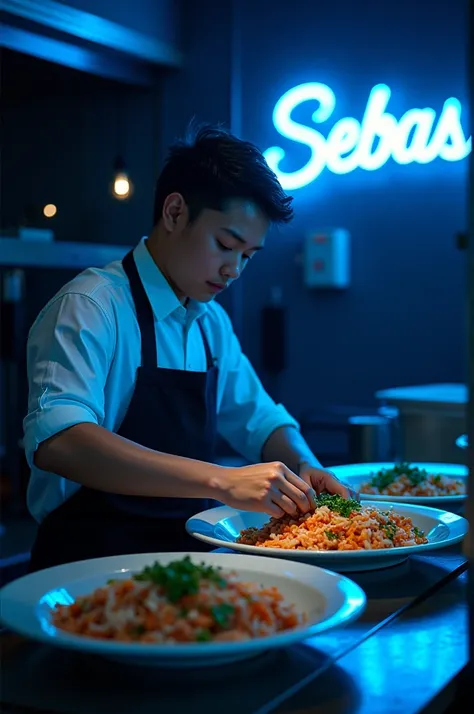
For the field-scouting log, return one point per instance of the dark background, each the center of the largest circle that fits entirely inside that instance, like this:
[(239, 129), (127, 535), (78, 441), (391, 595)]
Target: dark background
[(402, 320)]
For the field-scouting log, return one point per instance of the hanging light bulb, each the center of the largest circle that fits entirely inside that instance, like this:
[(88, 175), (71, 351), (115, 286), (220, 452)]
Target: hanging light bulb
[(121, 186), (49, 210)]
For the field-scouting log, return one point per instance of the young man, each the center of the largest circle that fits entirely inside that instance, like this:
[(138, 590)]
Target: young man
[(134, 369)]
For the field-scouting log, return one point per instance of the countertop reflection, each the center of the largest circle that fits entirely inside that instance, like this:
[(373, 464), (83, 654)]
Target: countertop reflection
[(398, 670)]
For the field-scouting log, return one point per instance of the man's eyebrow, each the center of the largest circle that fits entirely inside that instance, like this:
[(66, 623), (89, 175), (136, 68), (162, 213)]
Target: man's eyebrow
[(237, 236)]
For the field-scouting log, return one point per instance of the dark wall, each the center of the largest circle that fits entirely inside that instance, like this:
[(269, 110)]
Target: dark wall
[(62, 130), (402, 321), (203, 90)]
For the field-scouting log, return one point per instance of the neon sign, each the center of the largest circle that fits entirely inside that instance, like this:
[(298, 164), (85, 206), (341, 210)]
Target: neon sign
[(417, 137)]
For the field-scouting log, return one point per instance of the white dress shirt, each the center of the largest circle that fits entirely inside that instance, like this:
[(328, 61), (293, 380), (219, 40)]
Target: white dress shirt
[(83, 352)]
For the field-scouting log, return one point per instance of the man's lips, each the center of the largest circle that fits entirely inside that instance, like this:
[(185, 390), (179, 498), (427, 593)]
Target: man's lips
[(216, 286)]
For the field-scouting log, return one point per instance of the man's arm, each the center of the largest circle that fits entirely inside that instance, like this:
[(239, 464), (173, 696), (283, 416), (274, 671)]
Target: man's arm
[(95, 457), (287, 445), (247, 415), (100, 459), (70, 349), (258, 428)]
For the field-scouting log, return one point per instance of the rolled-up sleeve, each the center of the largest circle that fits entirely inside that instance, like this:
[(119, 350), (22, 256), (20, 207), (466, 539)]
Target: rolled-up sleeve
[(69, 352), (247, 415)]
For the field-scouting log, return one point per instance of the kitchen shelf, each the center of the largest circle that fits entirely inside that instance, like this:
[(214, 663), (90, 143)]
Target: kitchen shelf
[(17, 253)]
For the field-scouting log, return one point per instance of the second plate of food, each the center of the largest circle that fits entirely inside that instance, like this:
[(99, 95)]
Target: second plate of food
[(429, 484), (178, 609), (345, 536)]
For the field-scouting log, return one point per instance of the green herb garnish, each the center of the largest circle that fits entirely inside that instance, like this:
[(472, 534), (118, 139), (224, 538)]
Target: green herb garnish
[(385, 477), (343, 506), (203, 636), (437, 479), (331, 535), (418, 533), (390, 529), (222, 613), (181, 577), (138, 630), (382, 479), (417, 476)]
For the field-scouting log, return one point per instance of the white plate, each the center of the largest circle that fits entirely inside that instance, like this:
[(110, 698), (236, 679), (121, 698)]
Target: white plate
[(329, 600), (221, 526), (355, 474)]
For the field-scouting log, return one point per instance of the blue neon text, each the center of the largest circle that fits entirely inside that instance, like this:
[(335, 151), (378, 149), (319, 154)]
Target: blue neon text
[(417, 137)]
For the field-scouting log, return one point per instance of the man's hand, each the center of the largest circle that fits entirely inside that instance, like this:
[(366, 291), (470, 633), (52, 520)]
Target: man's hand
[(266, 488), (325, 481)]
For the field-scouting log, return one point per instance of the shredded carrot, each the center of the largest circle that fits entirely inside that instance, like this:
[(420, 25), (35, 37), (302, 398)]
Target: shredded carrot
[(365, 529)]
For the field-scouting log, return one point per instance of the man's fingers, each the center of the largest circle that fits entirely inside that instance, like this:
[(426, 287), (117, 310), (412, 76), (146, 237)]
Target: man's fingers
[(341, 488), (324, 481), (273, 509), (298, 490)]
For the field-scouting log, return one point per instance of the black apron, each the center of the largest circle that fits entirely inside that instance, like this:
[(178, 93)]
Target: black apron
[(172, 411)]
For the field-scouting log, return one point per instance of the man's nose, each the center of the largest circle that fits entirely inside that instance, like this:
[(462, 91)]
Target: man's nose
[(232, 270)]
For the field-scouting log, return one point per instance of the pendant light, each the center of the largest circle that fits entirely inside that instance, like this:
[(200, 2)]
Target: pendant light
[(121, 187)]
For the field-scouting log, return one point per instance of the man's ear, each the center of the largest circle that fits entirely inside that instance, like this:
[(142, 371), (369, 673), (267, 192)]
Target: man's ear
[(175, 213)]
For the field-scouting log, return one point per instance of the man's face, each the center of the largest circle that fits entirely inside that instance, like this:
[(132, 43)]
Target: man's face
[(206, 256)]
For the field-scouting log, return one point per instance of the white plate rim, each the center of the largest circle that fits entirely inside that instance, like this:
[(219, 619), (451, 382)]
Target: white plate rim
[(335, 555), (353, 606), (352, 473)]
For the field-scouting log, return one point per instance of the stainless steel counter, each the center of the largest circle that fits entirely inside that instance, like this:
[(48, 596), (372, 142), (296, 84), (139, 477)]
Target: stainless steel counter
[(402, 668), (410, 629)]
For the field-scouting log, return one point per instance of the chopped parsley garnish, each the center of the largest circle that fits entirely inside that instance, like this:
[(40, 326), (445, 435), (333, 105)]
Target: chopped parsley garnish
[(437, 479), (390, 529), (138, 630), (181, 577), (417, 476), (382, 479), (385, 477), (222, 613), (338, 504), (331, 535), (203, 636), (418, 533)]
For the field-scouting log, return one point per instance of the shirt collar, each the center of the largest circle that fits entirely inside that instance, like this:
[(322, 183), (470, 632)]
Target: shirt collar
[(160, 294)]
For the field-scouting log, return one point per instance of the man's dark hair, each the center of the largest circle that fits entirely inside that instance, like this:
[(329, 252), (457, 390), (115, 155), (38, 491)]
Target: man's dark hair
[(211, 166)]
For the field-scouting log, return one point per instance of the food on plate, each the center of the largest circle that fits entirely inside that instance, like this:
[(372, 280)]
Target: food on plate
[(406, 480), (179, 603), (336, 524)]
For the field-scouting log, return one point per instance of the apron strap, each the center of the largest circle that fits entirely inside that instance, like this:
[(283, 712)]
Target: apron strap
[(146, 320), (210, 360), (145, 317)]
